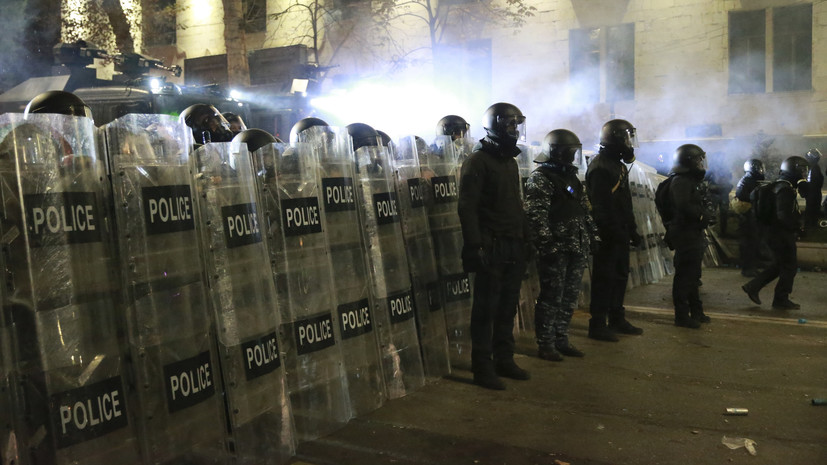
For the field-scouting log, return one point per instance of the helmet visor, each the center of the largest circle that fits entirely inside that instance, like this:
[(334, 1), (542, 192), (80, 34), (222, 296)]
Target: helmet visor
[(513, 126), (631, 138)]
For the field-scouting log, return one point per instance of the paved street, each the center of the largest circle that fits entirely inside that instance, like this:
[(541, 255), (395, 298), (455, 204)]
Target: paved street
[(659, 398)]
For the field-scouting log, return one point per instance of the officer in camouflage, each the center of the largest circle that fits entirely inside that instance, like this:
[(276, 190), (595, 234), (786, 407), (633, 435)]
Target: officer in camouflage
[(561, 230)]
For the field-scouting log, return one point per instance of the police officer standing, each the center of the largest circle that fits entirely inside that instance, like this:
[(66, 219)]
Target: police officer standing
[(495, 242), (690, 215), (781, 236), (607, 185), (749, 237), (561, 229)]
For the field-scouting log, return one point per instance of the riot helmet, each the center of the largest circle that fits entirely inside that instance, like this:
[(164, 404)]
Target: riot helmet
[(689, 158), (207, 124), (813, 156), (301, 125), (754, 167), (255, 138), (795, 169), (561, 147), (58, 102), (454, 126), (363, 135), (504, 122), (620, 135), (236, 123)]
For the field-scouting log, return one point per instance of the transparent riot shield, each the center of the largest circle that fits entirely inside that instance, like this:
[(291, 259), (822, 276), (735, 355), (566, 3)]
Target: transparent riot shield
[(446, 232), (8, 406), (648, 259), (60, 302), (351, 280), (414, 193), (179, 411), (394, 313), (312, 345), (531, 284), (243, 297)]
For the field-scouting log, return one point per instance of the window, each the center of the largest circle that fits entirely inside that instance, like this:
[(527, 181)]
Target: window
[(255, 15), (792, 48), (603, 55)]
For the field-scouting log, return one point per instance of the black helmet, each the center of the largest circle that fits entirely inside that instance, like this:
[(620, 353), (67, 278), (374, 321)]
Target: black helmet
[(689, 158), (618, 132), (386, 139), (206, 123), (236, 120), (795, 168), (58, 102), (452, 125), (504, 121), (561, 146), (362, 135), (754, 166), (813, 155), (255, 138), (302, 124)]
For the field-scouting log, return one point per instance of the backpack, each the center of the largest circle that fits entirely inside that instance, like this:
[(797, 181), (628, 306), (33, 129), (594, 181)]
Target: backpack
[(763, 202), (663, 202)]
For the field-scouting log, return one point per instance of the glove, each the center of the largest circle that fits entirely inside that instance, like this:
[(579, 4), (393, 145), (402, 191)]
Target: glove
[(474, 258), (635, 239)]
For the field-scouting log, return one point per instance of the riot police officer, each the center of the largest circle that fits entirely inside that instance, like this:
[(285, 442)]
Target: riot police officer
[(690, 215), (607, 185), (781, 236), (495, 241), (812, 196), (561, 230), (749, 237), (207, 124), (454, 126)]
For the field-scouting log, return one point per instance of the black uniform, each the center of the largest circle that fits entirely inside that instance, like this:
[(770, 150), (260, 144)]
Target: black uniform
[(495, 236), (781, 237), (749, 237), (685, 233), (607, 185)]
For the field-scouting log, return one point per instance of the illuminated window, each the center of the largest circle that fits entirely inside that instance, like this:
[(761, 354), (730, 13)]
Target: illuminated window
[(607, 55), (747, 52)]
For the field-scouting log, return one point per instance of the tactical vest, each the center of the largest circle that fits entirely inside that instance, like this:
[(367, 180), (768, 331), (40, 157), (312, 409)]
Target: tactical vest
[(567, 194)]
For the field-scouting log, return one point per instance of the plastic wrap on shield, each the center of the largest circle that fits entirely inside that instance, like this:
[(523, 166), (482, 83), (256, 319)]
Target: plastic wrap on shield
[(446, 232), (179, 411), (60, 300), (351, 280), (243, 297), (312, 348), (530, 288), (650, 255), (414, 194), (394, 309)]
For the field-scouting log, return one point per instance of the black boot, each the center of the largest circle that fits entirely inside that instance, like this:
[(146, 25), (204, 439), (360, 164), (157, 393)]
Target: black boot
[(549, 353), (599, 331), (484, 374), (683, 320), (618, 322), (699, 316), (508, 369)]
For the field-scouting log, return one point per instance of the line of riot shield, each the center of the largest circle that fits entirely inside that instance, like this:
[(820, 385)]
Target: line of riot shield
[(446, 232), (394, 310), (8, 405), (61, 294), (351, 280), (312, 345), (414, 193), (243, 296), (530, 288), (179, 411)]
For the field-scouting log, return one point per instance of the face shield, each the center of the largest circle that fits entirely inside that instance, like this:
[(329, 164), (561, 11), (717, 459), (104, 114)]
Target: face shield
[(631, 138), (513, 126), (458, 131)]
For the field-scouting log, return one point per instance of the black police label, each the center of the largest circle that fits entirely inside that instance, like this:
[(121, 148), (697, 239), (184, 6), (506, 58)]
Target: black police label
[(434, 300), (240, 225), (314, 334), (354, 318), (457, 287), (168, 209), (189, 382), (445, 189), (62, 218), (416, 191), (87, 412), (301, 216), (338, 194), (261, 356), (401, 307), (384, 205)]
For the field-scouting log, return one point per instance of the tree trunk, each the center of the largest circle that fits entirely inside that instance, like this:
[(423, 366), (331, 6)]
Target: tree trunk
[(235, 42), (120, 26)]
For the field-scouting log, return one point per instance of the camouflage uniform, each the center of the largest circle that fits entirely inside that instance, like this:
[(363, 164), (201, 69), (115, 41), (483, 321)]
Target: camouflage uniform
[(562, 229)]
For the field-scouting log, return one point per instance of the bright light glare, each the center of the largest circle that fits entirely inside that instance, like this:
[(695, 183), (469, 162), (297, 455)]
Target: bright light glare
[(155, 84), (399, 109), (235, 94)]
